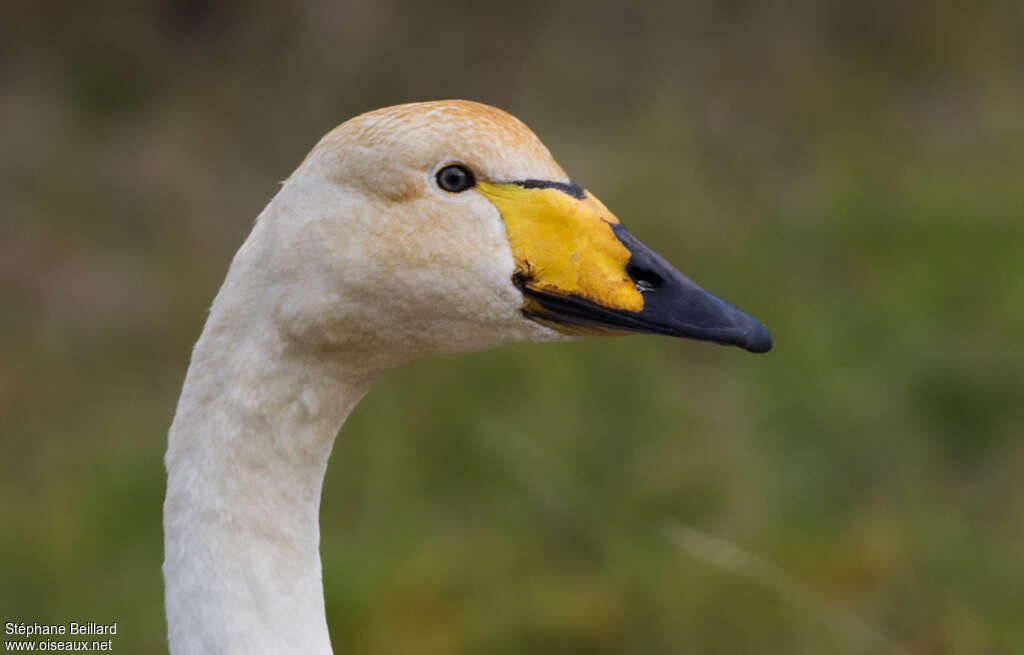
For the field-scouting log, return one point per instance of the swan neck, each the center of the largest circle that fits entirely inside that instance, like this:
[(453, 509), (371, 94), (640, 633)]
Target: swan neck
[(246, 458)]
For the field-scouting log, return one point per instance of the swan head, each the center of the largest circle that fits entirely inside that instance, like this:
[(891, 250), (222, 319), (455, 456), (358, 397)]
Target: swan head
[(447, 226)]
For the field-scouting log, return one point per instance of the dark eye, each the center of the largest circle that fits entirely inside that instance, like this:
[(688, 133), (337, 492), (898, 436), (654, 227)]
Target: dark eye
[(455, 178)]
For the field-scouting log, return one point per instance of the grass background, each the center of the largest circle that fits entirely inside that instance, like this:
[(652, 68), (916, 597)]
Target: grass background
[(850, 173)]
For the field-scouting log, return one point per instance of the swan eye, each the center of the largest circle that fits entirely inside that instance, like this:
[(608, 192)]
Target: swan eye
[(455, 178)]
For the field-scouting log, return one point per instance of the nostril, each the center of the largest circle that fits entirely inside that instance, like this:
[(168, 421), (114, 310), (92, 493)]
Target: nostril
[(645, 279)]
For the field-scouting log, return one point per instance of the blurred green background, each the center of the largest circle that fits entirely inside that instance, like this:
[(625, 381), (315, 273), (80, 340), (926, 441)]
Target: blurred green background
[(851, 173)]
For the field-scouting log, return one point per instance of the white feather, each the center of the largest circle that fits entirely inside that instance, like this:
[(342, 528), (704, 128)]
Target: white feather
[(358, 265)]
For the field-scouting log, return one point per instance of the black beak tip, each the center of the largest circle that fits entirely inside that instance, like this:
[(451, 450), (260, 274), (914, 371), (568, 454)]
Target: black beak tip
[(757, 339)]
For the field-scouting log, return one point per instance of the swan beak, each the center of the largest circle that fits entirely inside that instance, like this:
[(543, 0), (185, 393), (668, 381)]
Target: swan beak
[(581, 272)]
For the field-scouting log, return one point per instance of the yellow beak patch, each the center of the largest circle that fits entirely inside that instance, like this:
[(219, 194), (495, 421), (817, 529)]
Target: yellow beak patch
[(565, 246)]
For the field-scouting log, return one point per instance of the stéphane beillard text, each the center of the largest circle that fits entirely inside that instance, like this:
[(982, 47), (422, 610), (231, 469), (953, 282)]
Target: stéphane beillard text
[(70, 628)]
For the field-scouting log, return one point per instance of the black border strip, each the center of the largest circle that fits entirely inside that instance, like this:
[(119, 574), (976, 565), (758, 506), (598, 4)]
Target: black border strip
[(573, 189)]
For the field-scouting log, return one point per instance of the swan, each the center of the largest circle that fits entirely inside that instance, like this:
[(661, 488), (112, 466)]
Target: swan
[(408, 231)]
